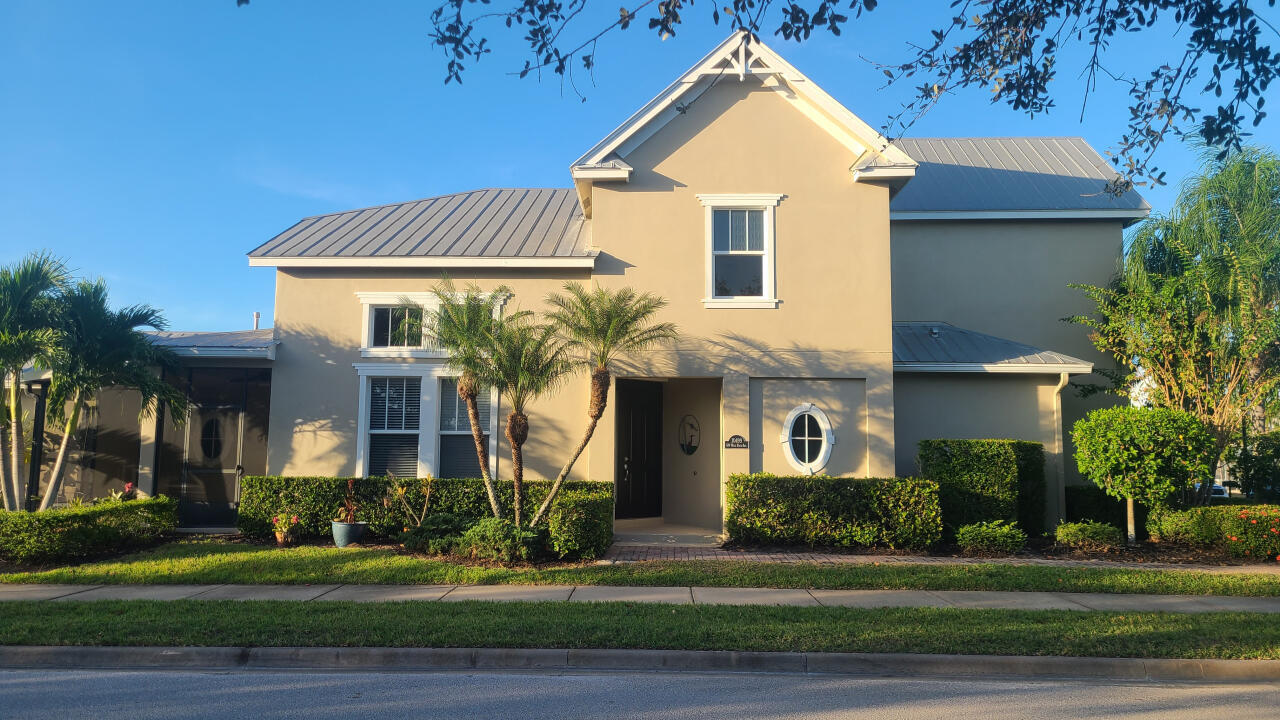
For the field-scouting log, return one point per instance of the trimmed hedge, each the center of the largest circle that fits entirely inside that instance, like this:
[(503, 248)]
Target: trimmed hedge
[(984, 480), (994, 536), (82, 531), (821, 510), (1089, 535), (1243, 530), (315, 501)]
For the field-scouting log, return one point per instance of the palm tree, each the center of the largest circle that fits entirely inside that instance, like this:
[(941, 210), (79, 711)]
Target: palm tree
[(524, 360), (27, 332), (100, 348), (598, 325), (462, 324)]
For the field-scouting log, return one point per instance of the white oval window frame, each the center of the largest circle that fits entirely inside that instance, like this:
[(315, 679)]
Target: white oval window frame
[(828, 435)]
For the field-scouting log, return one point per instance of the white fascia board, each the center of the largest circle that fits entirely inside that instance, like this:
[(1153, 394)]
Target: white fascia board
[(258, 353), (883, 173), (998, 368), (583, 261), (600, 173), (1018, 214)]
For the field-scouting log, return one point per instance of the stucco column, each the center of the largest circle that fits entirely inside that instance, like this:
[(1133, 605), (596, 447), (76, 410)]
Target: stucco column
[(147, 435), (735, 419), (881, 458)]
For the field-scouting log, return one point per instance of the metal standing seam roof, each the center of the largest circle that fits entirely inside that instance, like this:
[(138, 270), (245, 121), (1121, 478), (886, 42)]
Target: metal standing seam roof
[(235, 343), (491, 223), (939, 345), (1011, 174)]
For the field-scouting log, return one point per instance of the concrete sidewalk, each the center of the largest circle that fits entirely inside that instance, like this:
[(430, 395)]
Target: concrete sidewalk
[(665, 595)]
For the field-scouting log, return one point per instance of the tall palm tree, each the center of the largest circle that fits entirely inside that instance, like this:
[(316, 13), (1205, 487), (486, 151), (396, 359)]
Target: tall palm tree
[(100, 348), (524, 360), (462, 324), (27, 332), (598, 325)]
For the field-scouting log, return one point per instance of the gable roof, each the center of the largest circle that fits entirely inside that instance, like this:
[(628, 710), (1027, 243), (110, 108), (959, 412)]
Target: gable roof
[(527, 227), (259, 344), (1032, 176), (920, 346)]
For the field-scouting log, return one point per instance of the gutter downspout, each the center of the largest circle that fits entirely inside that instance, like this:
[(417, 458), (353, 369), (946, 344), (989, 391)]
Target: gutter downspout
[(1060, 448)]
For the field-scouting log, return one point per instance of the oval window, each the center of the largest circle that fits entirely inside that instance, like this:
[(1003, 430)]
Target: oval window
[(211, 438), (807, 439)]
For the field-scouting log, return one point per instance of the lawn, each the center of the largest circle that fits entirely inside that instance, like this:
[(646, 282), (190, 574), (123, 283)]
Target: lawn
[(217, 562), (624, 625)]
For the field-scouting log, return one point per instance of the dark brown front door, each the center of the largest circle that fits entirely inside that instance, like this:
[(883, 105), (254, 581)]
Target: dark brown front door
[(639, 447)]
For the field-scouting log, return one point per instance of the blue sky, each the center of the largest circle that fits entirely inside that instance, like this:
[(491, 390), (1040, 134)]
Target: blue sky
[(155, 143)]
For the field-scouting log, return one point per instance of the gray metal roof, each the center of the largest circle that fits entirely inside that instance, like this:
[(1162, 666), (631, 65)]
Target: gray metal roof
[(492, 223), (938, 346), (230, 344), (1011, 174)]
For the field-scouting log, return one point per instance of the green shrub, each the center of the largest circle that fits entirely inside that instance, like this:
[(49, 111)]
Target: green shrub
[(1256, 465), (991, 536), (820, 510), (83, 531), (315, 501), (982, 480), (1149, 455), (580, 525), (499, 539), (1251, 531), (1090, 502), (437, 535), (1089, 535)]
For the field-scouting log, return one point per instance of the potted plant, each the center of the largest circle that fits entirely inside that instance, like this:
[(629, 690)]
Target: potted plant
[(345, 528), (286, 527)]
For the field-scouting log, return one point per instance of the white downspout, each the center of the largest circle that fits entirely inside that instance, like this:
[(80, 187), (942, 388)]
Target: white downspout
[(1060, 448)]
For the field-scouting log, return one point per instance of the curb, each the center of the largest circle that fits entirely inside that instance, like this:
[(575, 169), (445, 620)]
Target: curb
[(399, 659)]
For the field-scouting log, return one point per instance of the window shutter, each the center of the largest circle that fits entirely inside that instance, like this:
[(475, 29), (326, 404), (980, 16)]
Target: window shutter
[(396, 453), (458, 456)]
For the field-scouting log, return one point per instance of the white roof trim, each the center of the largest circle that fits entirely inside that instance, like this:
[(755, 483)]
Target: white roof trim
[(1018, 214), (600, 173), (742, 55), (1007, 368), (252, 353), (577, 261)]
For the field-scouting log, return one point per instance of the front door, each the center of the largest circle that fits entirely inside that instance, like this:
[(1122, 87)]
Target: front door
[(211, 465), (639, 447)]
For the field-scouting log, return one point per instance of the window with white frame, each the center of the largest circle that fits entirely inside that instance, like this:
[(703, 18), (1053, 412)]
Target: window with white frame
[(395, 409), (393, 324), (457, 457), (396, 327), (740, 250), (807, 438)]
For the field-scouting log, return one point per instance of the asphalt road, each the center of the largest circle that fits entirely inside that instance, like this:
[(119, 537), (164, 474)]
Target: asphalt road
[(455, 695)]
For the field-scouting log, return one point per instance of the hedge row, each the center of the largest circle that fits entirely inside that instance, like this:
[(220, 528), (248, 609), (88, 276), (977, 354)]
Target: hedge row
[(820, 510), (986, 480), (1251, 531), (580, 521), (76, 532), (1092, 503)]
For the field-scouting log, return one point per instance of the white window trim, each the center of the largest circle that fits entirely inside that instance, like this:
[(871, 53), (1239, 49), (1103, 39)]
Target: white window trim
[(426, 300), (428, 421), (740, 201), (829, 436)]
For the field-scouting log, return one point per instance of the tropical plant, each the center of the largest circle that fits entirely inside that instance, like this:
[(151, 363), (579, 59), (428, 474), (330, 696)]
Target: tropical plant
[(98, 348), (1193, 320), (524, 360), (347, 510), (597, 325), (1150, 455), (28, 332), (463, 324)]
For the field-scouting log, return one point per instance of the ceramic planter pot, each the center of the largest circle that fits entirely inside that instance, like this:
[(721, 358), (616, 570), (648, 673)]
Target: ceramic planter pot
[(346, 533), (285, 538)]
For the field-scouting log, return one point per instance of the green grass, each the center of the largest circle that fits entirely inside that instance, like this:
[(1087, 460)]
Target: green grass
[(624, 625), (214, 562)]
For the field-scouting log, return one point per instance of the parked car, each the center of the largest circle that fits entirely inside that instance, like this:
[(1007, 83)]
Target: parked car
[(1217, 492)]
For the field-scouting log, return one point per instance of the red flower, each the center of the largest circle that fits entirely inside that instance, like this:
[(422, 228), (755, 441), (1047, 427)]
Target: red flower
[(1255, 522), (276, 519), (295, 520)]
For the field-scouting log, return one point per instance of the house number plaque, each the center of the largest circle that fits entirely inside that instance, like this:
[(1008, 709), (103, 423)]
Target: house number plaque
[(735, 442)]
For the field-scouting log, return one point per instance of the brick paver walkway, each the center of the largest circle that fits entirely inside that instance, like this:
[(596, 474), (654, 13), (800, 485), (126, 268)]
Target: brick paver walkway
[(629, 554)]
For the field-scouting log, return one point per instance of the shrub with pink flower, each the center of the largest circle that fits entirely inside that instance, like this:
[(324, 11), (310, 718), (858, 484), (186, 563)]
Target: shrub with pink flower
[(1254, 532)]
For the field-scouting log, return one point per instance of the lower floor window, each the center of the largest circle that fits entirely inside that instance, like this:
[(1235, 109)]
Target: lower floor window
[(395, 406), (807, 438), (396, 454), (457, 458)]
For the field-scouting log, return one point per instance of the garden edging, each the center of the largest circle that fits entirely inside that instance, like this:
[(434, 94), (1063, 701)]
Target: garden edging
[(883, 664)]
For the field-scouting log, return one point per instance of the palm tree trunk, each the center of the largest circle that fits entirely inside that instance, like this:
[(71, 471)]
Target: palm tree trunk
[(599, 400), (16, 446), (5, 486), (482, 452), (60, 464), (517, 433)]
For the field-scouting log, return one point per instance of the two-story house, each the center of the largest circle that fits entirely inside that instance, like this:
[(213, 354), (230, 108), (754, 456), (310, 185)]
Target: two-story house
[(839, 299)]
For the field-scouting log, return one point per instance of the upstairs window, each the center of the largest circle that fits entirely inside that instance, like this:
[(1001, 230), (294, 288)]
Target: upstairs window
[(396, 327), (740, 251)]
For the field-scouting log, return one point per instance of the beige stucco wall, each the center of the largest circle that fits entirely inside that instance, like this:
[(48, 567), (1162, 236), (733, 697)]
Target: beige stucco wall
[(1009, 279), (843, 401), (691, 483), (945, 405)]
